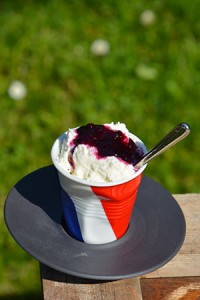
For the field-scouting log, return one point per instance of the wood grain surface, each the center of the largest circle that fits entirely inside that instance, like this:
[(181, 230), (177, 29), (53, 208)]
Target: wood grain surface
[(180, 288), (187, 261), (60, 286)]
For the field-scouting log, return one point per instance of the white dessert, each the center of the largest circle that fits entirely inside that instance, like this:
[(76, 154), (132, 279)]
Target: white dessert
[(83, 160)]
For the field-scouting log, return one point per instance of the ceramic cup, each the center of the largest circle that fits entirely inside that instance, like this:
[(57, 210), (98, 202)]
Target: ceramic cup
[(96, 212)]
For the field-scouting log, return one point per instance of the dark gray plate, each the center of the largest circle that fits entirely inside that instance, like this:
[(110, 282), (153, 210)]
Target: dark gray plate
[(33, 216)]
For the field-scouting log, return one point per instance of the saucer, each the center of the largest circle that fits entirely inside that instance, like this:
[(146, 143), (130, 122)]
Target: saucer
[(33, 215)]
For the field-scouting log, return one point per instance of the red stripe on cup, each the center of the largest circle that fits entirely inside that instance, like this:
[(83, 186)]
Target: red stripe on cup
[(118, 202)]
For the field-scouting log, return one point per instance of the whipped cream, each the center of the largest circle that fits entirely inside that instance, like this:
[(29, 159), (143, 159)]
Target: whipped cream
[(86, 161)]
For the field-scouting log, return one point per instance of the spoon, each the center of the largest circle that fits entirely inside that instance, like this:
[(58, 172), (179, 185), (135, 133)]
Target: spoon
[(174, 136)]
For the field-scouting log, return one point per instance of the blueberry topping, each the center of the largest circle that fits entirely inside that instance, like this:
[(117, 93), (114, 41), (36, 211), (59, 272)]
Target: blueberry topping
[(108, 142)]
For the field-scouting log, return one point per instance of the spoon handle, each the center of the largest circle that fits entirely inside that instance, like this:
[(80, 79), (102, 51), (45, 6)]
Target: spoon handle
[(174, 136)]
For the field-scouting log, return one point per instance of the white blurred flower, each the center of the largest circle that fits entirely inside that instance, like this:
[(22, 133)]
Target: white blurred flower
[(17, 90), (147, 18), (145, 72), (100, 47)]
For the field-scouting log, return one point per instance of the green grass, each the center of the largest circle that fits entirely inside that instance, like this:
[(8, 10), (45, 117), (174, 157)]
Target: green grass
[(46, 45)]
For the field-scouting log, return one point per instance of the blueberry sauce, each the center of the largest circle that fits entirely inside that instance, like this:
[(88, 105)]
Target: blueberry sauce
[(108, 142)]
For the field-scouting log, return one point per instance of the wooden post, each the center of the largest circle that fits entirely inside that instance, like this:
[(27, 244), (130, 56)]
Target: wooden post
[(60, 286)]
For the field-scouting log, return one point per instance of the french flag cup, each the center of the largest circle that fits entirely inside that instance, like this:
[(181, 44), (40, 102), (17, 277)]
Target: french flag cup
[(96, 212)]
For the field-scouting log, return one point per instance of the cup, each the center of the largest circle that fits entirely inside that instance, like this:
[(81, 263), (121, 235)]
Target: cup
[(96, 212)]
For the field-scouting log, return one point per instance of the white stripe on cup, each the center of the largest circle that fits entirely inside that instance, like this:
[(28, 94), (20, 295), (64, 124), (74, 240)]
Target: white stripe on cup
[(95, 227)]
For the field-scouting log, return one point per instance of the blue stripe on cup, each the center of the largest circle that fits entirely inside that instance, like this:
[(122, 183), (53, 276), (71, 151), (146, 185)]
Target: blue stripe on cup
[(70, 215)]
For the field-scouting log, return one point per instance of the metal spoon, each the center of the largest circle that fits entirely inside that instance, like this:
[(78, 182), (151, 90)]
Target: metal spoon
[(174, 136)]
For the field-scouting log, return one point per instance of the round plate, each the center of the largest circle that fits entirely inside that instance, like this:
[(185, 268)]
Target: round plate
[(33, 216)]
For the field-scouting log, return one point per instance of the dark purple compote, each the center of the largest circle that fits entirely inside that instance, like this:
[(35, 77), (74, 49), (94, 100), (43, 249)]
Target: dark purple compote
[(108, 142)]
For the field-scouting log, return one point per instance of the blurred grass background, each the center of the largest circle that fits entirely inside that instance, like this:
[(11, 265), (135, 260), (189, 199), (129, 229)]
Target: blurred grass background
[(149, 79)]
